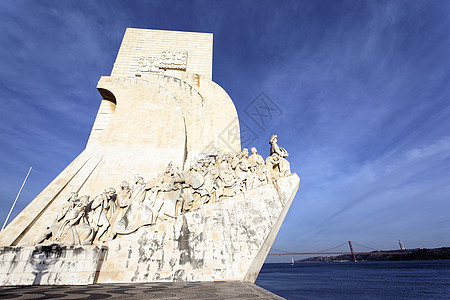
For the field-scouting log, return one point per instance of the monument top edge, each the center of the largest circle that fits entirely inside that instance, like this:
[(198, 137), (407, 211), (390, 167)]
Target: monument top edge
[(167, 31)]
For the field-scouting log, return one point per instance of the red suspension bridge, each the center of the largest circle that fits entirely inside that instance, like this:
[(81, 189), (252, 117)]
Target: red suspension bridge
[(276, 252)]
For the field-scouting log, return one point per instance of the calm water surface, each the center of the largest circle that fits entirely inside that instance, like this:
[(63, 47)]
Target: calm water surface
[(362, 280)]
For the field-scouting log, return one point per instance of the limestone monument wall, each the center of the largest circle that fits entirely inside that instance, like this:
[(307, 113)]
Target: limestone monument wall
[(157, 194), (138, 43)]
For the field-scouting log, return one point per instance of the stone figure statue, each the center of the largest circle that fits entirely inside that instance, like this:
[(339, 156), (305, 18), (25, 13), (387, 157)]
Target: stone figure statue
[(123, 201), (102, 210), (263, 177), (256, 163), (169, 194), (277, 166), (139, 211), (226, 174), (213, 185), (85, 232), (194, 180), (137, 215), (139, 190), (276, 162), (51, 231), (242, 169), (274, 148), (255, 160), (74, 228), (73, 198), (123, 198)]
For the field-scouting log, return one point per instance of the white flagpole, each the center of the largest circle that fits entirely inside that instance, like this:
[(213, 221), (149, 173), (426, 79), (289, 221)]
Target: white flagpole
[(12, 207)]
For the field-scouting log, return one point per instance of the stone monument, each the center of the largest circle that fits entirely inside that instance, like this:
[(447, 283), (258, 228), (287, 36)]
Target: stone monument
[(156, 195)]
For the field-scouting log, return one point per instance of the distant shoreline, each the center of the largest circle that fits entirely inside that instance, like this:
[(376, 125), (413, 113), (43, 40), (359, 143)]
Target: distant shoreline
[(442, 253)]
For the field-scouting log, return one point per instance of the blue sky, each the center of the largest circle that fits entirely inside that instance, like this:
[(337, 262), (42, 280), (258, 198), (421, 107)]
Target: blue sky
[(362, 87)]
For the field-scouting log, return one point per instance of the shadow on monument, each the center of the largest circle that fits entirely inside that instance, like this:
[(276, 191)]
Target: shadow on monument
[(42, 259)]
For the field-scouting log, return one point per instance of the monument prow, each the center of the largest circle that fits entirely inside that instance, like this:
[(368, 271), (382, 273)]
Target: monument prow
[(158, 194)]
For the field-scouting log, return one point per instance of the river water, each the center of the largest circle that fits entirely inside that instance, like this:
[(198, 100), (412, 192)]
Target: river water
[(361, 280)]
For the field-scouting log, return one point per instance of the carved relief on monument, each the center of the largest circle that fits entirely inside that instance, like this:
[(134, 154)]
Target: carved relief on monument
[(149, 65), (71, 225), (211, 178), (168, 60), (175, 60)]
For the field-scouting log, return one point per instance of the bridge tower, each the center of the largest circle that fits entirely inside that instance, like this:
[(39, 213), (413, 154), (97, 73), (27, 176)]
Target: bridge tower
[(351, 249)]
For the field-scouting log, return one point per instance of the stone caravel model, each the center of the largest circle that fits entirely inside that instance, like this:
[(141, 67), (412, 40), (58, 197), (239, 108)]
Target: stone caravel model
[(161, 192)]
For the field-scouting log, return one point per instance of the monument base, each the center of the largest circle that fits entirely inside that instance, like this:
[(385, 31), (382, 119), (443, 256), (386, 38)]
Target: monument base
[(50, 264)]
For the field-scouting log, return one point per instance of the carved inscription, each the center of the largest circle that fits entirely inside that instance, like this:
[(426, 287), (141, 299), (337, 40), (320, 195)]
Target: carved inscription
[(176, 60), (168, 60)]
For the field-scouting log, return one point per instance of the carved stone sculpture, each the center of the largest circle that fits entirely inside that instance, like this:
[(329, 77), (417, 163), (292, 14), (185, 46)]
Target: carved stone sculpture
[(274, 148), (211, 214), (102, 210), (137, 212), (124, 195), (74, 228), (139, 189), (255, 160), (210, 178), (52, 231), (276, 162), (84, 231), (137, 215), (170, 194)]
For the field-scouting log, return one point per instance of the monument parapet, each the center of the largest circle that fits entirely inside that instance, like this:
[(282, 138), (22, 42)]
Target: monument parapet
[(157, 195)]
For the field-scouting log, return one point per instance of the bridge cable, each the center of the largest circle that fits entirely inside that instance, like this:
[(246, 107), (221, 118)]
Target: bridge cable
[(340, 245), (317, 251), (280, 250), (333, 247), (364, 246)]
